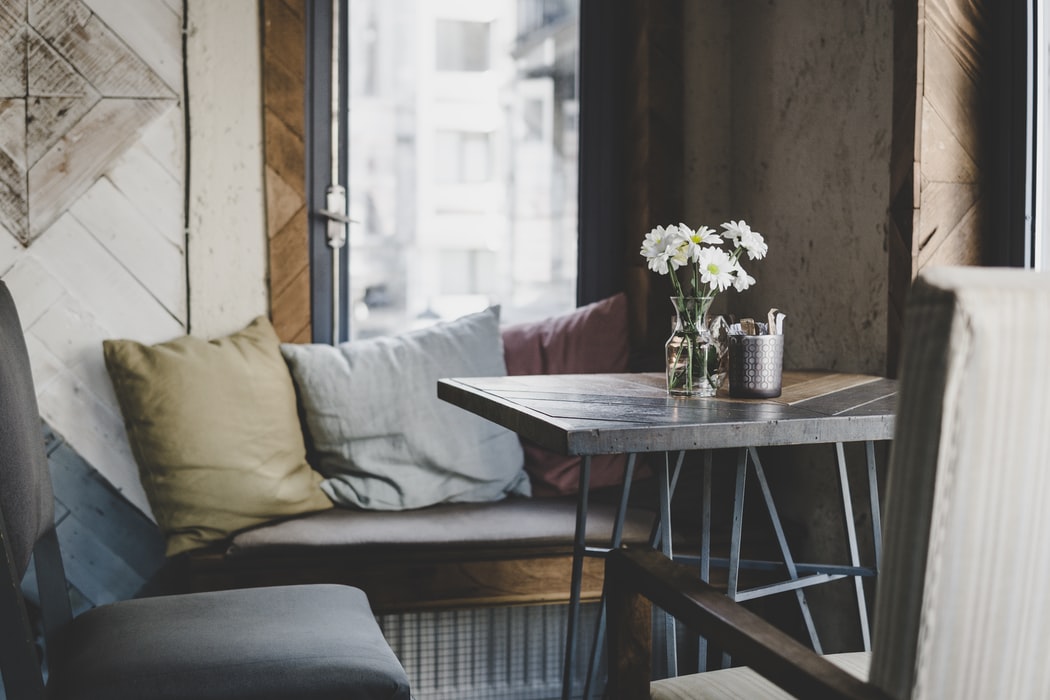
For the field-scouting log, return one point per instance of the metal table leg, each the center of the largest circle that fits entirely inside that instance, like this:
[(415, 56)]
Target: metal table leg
[(736, 534), (873, 494), (705, 548), (671, 641), (789, 561), (617, 540), (851, 533), (578, 552)]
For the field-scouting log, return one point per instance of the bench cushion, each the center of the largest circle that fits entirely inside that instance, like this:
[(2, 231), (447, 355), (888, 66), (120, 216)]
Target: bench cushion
[(515, 522)]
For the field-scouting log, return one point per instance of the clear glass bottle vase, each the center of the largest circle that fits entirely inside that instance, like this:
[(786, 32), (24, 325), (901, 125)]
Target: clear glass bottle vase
[(695, 352)]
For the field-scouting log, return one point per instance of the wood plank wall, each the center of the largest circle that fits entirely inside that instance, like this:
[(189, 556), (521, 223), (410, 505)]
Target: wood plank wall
[(92, 91), (940, 208), (91, 193), (110, 550), (284, 75)]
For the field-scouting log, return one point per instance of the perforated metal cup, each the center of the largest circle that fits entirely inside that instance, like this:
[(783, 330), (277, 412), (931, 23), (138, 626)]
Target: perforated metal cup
[(755, 366)]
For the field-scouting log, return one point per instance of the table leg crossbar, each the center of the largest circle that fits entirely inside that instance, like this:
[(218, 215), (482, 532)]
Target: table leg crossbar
[(800, 576)]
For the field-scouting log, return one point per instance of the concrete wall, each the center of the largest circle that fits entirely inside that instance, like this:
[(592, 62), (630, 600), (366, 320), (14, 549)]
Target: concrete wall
[(788, 114), (226, 250), (789, 104)]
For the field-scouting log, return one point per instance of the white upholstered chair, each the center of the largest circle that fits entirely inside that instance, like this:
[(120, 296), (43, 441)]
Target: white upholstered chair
[(962, 609)]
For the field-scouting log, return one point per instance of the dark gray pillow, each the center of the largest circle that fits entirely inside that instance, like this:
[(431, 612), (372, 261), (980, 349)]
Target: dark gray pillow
[(384, 440)]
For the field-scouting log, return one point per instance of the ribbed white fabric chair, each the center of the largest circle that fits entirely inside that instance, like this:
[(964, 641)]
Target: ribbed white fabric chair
[(961, 607)]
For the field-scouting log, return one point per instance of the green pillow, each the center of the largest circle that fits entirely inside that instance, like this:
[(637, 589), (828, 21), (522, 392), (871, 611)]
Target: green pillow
[(214, 428)]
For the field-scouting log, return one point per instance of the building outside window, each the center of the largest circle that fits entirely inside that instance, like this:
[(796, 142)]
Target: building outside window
[(462, 160)]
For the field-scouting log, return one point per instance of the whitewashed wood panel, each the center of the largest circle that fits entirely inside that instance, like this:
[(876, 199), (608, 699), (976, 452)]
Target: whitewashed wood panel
[(93, 276), (14, 200), (153, 31), (155, 262), (12, 134), (49, 74), (10, 253), (151, 188), (44, 365), (12, 53), (98, 54), (33, 288), (163, 139), (101, 439), (83, 153), (74, 336)]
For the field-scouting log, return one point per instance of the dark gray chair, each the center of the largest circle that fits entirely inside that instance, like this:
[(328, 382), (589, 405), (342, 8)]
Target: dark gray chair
[(317, 641)]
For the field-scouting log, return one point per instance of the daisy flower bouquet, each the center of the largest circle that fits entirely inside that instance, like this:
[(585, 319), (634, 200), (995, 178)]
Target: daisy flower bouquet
[(701, 263)]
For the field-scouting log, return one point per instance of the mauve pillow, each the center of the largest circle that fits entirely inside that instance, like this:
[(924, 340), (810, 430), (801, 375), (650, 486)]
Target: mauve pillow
[(588, 340)]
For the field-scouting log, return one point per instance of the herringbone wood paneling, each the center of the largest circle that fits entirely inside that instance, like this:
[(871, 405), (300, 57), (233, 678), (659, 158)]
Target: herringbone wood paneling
[(941, 158), (84, 97), (284, 75)]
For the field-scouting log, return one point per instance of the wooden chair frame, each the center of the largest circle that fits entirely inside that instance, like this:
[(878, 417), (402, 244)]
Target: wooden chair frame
[(638, 578)]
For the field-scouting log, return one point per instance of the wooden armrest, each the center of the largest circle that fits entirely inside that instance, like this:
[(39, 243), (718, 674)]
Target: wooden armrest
[(634, 577)]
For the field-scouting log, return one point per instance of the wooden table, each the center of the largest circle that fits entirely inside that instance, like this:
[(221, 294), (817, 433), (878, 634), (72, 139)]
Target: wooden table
[(596, 414)]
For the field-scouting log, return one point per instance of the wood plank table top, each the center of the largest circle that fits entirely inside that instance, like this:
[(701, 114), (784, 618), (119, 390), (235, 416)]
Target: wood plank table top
[(588, 414)]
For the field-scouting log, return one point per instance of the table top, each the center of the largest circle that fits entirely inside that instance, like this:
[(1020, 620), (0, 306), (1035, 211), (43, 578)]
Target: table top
[(587, 414)]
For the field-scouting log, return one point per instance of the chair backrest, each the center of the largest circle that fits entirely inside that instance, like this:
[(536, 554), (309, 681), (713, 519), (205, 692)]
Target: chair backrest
[(961, 608), (26, 499), (26, 511)]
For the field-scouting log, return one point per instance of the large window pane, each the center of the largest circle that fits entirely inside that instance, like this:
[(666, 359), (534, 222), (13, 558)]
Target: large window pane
[(462, 157)]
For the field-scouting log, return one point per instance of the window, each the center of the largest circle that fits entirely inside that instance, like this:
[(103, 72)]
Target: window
[(462, 162)]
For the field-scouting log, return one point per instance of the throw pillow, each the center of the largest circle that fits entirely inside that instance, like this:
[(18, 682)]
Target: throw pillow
[(591, 339), (214, 429), (383, 438)]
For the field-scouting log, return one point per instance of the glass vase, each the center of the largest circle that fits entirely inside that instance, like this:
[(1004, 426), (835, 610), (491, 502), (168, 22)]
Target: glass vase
[(695, 352)]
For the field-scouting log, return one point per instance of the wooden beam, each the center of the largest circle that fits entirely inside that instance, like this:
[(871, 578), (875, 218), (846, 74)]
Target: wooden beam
[(284, 151)]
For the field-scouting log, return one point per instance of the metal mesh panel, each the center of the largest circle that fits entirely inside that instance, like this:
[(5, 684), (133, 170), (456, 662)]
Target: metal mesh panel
[(491, 654)]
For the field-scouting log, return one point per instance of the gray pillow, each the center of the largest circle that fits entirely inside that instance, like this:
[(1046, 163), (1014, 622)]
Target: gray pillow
[(383, 439)]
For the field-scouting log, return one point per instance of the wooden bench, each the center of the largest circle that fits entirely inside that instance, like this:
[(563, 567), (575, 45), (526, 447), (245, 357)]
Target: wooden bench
[(452, 556)]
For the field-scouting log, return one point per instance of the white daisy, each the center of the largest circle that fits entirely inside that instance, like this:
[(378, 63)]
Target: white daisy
[(742, 236), (716, 268), (663, 249), (705, 235), (742, 281)]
